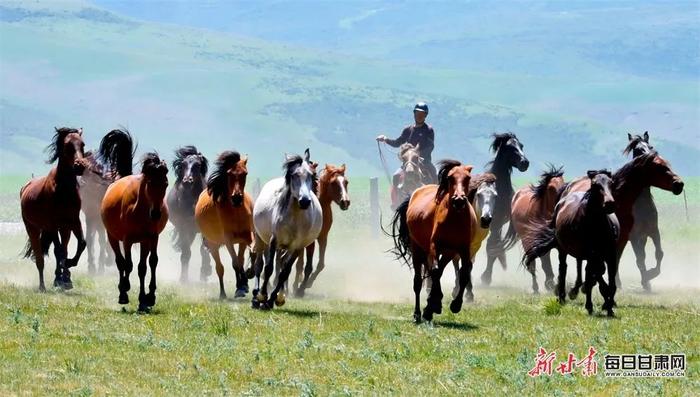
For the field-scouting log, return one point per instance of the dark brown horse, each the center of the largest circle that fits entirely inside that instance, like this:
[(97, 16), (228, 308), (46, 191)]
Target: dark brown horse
[(190, 168), (436, 224), (134, 212), (51, 207), (508, 155), (585, 227), (535, 204), (113, 160), (646, 217)]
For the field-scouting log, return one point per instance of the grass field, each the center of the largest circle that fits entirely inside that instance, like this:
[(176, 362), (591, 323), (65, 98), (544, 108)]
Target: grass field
[(352, 336)]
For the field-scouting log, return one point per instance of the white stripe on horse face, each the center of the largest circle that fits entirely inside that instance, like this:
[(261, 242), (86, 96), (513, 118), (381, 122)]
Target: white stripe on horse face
[(343, 191)]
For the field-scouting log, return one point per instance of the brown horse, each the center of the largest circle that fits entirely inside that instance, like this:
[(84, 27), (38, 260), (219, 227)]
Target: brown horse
[(190, 168), (134, 212), (224, 215), (585, 227), (435, 225), (112, 160), (535, 204), (646, 217), (332, 188), (51, 207), (411, 176)]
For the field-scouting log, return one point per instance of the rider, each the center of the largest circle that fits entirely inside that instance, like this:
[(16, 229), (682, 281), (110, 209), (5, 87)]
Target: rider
[(420, 134)]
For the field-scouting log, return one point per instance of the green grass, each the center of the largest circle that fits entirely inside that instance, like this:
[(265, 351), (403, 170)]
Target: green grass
[(82, 343)]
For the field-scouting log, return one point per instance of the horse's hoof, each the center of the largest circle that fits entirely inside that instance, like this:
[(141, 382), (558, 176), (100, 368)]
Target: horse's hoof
[(535, 292), (267, 305), (261, 297), (456, 306), (123, 298), (417, 317), (150, 299), (70, 262), (42, 288), (611, 313), (646, 286), (573, 295), (614, 304), (428, 315), (254, 304), (66, 284), (470, 297), (240, 293), (249, 273), (281, 299), (144, 308), (549, 285), (562, 300), (299, 293), (222, 295), (56, 282), (486, 280), (91, 270)]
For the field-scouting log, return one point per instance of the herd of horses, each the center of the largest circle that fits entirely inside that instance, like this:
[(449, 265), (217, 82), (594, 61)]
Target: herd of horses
[(289, 216), (590, 218)]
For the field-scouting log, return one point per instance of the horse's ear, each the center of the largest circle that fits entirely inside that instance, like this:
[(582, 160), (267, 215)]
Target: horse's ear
[(80, 131), (327, 167), (646, 136), (245, 159), (342, 168), (591, 174), (469, 168), (307, 155), (287, 157), (417, 147), (629, 136)]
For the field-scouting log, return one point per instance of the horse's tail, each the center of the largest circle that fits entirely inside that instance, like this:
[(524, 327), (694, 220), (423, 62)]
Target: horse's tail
[(511, 237), (539, 239), (46, 239), (175, 240), (399, 233), (117, 150)]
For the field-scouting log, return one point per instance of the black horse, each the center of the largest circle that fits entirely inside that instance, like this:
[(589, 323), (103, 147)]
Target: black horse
[(191, 171), (508, 154), (646, 217)]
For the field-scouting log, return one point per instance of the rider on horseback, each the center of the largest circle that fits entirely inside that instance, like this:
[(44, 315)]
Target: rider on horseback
[(419, 134)]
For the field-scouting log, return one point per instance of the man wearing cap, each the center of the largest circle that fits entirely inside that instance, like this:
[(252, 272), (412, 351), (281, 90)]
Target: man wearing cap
[(420, 134)]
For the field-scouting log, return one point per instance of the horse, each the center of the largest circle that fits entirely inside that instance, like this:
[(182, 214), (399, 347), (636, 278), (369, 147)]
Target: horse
[(535, 204), (287, 217), (113, 159), (629, 182), (646, 217), (508, 154), (584, 226), (134, 212), (190, 168), (437, 223), (412, 176), (51, 207), (332, 188), (224, 215)]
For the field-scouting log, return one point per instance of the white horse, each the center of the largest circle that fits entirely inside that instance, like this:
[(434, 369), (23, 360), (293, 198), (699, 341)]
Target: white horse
[(287, 217)]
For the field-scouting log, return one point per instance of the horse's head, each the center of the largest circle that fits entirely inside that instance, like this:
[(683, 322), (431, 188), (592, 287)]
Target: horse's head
[(190, 167), (334, 183), (155, 176), (509, 151), (411, 165), (651, 169), (228, 179), (67, 147), (638, 144), (314, 170), (601, 190), (485, 201), (453, 180), (299, 180)]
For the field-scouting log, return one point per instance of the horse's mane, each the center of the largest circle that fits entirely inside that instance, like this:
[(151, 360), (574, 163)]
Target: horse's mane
[(621, 176), (476, 181), (541, 187), (152, 166), (55, 148), (500, 139), (632, 144), (117, 150), (443, 181), (217, 184), (288, 166), (181, 154)]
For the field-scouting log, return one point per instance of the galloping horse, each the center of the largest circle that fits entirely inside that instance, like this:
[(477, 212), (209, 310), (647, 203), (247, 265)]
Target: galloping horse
[(112, 161), (535, 204), (585, 227), (436, 224), (332, 188), (51, 207), (287, 217), (509, 154), (190, 168), (646, 217), (134, 211), (412, 176), (224, 215)]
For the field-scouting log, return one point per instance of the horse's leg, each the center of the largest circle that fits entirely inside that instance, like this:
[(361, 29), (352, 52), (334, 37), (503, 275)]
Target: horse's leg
[(205, 270), (561, 283), (464, 274), (573, 293), (269, 267), (638, 243), (185, 238), (152, 263), (241, 262), (90, 231), (612, 263), (455, 290), (298, 274), (121, 268), (105, 258), (548, 273), (288, 260), (435, 297), (309, 273), (531, 268), (214, 250), (35, 241), (492, 245), (322, 244), (237, 269), (141, 268), (591, 265), (659, 255), (61, 252), (77, 229)]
